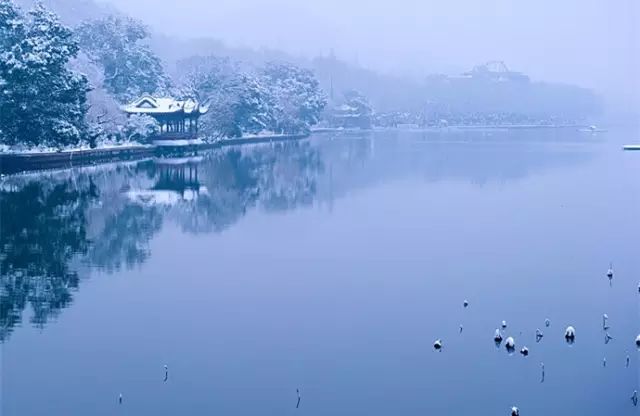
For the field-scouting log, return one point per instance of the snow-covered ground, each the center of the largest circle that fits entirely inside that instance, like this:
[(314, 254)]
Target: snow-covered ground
[(46, 149), (178, 142)]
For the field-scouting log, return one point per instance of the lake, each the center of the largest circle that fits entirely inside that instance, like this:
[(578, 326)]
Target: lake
[(328, 265)]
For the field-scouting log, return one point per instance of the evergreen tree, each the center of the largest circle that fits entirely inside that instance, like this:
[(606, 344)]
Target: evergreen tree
[(41, 100), (238, 102), (297, 98), (118, 45), (12, 28)]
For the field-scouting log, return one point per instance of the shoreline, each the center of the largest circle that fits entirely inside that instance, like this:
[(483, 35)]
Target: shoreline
[(448, 129), (14, 163)]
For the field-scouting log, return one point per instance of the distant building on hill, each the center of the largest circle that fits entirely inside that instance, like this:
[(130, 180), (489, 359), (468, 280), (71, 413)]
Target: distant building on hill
[(496, 71), (355, 112)]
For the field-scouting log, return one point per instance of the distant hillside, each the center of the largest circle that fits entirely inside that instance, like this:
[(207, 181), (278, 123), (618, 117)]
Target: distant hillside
[(439, 93)]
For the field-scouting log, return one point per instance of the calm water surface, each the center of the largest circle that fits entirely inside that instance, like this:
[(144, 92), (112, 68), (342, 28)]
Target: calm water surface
[(328, 265)]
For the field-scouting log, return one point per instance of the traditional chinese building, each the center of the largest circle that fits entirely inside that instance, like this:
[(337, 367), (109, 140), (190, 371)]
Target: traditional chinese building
[(178, 118)]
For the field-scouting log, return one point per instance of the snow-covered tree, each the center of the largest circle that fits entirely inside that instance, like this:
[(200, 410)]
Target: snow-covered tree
[(118, 45), (297, 98), (104, 115), (139, 128), (359, 102), (238, 102), (41, 100), (354, 111)]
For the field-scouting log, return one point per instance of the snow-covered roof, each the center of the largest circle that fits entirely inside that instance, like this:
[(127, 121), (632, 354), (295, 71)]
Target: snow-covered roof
[(164, 105)]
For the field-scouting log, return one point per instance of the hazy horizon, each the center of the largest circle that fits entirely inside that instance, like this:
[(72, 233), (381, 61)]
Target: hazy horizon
[(589, 43)]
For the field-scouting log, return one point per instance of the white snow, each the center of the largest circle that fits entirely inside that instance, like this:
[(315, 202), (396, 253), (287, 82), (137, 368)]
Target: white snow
[(43, 149), (179, 142), (163, 105)]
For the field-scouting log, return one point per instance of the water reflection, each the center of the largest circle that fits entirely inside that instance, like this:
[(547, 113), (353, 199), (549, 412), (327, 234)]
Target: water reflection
[(58, 226)]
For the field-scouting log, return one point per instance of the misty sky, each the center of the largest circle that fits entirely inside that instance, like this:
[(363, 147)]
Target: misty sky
[(594, 43)]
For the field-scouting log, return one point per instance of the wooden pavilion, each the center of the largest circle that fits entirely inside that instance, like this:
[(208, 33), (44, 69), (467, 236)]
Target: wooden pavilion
[(178, 118)]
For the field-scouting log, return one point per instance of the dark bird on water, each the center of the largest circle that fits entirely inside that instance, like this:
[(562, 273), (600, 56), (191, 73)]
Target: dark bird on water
[(515, 411), (539, 335), (497, 337), (298, 404), (120, 399), (634, 398), (465, 303), (638, 341), (524, 351), (166, 373)]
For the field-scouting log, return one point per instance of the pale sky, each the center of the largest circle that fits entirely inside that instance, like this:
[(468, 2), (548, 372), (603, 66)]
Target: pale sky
[(594, 43)]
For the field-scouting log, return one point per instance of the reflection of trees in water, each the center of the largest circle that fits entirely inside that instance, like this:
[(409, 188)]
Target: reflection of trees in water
[(480, 158), (43, 228), (231, 188), (125, 238), (54, 223), (279, 176), (288, 176)]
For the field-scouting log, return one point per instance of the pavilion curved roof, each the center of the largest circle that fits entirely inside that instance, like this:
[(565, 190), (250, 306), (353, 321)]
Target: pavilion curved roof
[(164, 105)]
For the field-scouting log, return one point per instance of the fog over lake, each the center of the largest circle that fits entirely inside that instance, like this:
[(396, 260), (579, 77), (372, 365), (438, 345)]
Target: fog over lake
[(592, 43), (319, 207)]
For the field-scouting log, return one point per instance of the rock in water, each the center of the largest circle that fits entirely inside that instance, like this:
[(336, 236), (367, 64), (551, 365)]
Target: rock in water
[(607, 338), (437, 345), (510, 345), (570, 335)]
